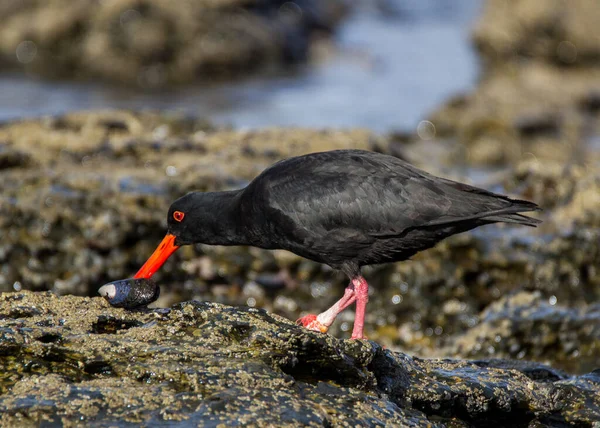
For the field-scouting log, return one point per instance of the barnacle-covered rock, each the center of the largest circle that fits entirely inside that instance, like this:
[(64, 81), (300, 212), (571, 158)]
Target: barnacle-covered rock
[(76, 358)]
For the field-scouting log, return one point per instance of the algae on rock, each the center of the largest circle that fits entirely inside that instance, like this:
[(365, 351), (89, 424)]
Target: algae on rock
[(75, 358)]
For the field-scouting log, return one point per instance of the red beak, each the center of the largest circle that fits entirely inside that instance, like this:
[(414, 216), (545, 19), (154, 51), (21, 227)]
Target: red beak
[(158, 257)]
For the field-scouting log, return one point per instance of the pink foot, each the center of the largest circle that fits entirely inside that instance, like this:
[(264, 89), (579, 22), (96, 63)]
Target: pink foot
[(311, 322)]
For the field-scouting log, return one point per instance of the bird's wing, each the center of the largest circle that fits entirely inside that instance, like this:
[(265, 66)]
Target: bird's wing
[(371, 194)]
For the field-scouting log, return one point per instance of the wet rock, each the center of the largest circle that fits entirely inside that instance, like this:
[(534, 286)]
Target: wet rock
[(533, 126), (541, 71), (205, 363), (425, 304), (151, 43), (591, 102), (518, 110), (91, 208), (529, 129), (528, 326), (557, 32), (571, 190), (13, 158)]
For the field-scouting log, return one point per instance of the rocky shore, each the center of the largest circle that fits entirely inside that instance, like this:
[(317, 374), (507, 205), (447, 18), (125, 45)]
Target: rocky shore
[(83, 200), (75, 360)]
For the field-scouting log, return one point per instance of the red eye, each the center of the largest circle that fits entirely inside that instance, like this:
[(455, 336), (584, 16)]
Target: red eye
[(178, 216)]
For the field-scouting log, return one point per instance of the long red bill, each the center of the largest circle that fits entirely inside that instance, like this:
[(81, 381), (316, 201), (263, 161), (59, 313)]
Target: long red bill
[(158, 257)]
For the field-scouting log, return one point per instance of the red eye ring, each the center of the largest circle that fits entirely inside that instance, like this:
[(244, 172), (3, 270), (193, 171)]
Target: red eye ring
[(178, 216)]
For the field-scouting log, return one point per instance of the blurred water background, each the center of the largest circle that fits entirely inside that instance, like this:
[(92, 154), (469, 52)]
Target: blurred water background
[(391, 62)]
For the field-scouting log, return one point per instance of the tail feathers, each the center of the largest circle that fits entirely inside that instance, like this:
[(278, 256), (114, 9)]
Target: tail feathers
[(511, 215), (522, 206), (514, 218), (507, 214)]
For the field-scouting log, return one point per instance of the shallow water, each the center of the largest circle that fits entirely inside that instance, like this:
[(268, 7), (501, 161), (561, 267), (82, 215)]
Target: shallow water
[(393, 64)]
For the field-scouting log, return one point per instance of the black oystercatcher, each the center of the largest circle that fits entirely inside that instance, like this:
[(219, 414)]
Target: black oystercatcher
[(345, 208)]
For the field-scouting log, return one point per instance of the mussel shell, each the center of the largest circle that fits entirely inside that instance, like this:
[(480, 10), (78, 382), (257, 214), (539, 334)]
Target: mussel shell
[(130, 293)]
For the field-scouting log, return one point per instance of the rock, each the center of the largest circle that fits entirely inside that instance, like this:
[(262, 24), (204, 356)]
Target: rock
[(13, 158), (526, 325), (153, 43), (571, 190), (540, 79), (206, 363), (83, 199), (427, 303), (90, 206), (552, 30), (530, 128), (518, 110)]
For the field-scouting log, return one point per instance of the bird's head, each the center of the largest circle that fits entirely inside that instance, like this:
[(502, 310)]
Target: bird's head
[(182, 229), (194, 218)]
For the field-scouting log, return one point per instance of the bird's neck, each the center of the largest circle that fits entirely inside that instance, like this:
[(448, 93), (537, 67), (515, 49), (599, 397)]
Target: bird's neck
[(227, 225)]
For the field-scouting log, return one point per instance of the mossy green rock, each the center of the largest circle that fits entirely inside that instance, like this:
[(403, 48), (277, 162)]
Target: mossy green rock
[(74, 360)]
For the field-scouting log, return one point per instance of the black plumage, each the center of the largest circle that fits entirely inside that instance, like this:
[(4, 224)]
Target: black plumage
[(345, 208)]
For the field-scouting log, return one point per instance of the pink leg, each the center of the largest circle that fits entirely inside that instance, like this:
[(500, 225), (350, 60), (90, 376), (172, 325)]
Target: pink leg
[(322, 321), (328, 317), (361, 291)]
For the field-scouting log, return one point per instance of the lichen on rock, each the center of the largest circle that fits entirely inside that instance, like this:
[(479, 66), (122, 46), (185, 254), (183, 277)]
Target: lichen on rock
[(75, 358)]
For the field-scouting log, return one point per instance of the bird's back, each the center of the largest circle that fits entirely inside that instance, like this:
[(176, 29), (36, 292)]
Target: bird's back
[(353, 207)]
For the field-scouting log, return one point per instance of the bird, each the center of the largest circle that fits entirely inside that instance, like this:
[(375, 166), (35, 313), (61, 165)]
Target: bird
[(343, 208)]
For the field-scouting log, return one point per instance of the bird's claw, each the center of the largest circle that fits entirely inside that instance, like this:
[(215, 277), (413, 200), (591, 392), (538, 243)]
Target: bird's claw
[(312, 323)]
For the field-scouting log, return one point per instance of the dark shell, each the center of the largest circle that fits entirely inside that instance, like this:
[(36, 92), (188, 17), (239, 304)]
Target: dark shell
[(130, 293)]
